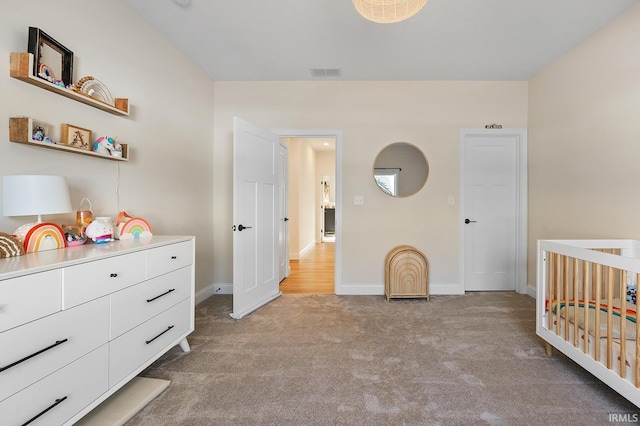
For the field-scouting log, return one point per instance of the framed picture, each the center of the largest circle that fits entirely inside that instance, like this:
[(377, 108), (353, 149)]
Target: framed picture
[(51, 60), (76, 137)]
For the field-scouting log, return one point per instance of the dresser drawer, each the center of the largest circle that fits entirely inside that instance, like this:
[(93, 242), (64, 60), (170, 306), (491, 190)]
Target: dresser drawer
[(136, 304), (41, 347), (169, 258), (148, 341), (29, 297), (74, 386), (91, 280)]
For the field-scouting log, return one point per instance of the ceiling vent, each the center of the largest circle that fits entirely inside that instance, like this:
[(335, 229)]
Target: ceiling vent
[(325, 72)]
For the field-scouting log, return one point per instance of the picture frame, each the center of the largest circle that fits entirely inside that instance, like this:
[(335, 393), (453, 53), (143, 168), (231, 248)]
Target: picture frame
[(51, 60), (76, 137)]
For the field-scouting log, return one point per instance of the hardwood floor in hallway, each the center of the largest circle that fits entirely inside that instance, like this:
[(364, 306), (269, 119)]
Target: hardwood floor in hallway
[(312, 274)]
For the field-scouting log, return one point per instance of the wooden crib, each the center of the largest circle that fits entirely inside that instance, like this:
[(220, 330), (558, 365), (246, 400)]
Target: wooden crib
[(586, 307)]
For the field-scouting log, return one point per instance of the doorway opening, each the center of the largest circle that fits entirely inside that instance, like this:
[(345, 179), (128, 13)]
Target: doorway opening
[(314, 215)]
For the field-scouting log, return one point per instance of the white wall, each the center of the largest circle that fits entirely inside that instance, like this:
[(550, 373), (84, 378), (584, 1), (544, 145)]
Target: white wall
[(169, 178), (371, 115), (584, 140)]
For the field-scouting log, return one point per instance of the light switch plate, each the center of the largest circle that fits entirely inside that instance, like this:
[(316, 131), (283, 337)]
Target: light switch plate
[(358, 200)]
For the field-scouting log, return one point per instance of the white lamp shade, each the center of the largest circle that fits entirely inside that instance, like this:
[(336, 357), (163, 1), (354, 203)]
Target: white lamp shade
[(388, 11), (28, 195)]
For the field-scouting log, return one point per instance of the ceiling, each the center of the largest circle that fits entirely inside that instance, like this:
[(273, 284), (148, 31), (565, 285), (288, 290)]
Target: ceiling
[(282, 40)]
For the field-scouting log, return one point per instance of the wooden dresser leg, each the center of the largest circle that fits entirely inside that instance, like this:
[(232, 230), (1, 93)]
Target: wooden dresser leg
[(184, 345)]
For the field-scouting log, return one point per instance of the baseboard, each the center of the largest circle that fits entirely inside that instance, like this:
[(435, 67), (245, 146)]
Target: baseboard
[(306, 249), (445, 289), (360, 290), (300, 254), (441, 289), (378, 289), (212, 290), (531, 291)]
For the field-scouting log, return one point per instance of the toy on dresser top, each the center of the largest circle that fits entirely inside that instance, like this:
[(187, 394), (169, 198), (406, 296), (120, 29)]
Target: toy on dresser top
[(10, 246), (100, 230)]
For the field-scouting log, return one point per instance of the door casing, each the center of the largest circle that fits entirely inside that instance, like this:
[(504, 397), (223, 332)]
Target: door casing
[(283, 210)]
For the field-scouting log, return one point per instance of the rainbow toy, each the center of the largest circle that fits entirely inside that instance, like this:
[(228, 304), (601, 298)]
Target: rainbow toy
[(45, 72), (129, 228), (44, 236)]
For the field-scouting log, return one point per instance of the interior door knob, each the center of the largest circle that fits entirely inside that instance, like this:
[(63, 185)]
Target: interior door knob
[(467, 221), (241, 227)]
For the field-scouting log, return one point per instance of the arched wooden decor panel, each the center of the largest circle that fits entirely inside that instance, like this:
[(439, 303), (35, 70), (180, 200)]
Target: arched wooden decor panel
[(406, 273)]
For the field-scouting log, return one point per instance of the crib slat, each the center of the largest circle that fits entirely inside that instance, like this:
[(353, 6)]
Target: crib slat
[(575, 302), (565, 294), (557, 291), (623, 324), (609, 286), (596, 337), (550, 296), (586, 281), (636, 363)]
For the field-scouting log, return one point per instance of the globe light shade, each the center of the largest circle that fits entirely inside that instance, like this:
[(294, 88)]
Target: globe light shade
[(388, 11)]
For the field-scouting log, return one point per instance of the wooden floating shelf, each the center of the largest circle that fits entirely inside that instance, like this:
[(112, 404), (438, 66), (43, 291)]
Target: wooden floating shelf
[(21, 129), (125, 153), (22, 69)]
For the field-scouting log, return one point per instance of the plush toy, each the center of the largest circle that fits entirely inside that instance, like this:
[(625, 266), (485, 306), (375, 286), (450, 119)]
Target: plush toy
[(107, 145), (631, 293), (100, 230)]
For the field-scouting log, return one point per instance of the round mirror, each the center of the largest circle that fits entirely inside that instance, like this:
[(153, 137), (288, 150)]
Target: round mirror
[(400, 169)]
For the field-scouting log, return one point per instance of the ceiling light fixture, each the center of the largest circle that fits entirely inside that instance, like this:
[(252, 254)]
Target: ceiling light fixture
[(182, 3), (388, 11)]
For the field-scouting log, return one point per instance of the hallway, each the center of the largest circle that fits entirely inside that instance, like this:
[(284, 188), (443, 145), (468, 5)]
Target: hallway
[(313, 274)]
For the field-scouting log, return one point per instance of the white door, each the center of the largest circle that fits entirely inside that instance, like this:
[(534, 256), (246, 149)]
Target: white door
[(490, 210), (283, 210), (255, 217)]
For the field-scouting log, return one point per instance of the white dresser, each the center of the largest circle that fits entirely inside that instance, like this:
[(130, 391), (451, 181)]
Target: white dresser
[(77, 324)]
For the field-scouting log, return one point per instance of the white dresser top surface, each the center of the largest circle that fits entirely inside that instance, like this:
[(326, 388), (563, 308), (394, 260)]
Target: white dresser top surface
[(30, 263)]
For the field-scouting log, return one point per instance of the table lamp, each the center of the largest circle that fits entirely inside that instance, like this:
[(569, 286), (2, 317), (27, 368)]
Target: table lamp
[(34, 195)]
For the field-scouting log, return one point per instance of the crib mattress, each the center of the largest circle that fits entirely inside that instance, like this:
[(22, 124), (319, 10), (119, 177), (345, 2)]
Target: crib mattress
[(602, 311)]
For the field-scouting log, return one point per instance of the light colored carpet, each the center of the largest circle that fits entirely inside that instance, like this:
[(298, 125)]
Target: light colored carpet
[(359, 360)]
